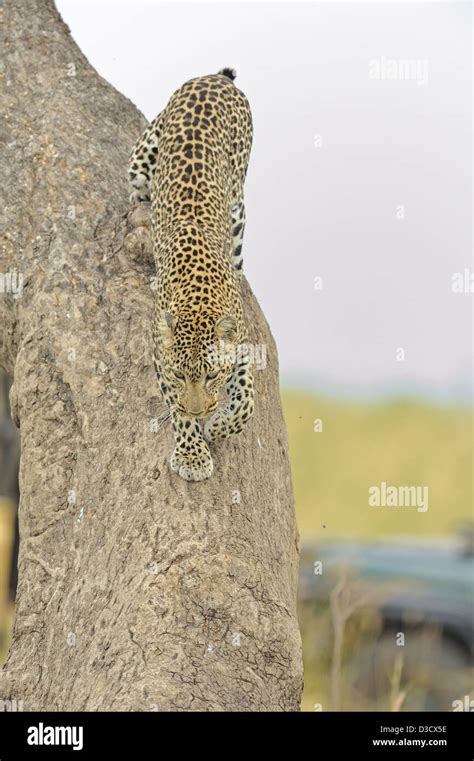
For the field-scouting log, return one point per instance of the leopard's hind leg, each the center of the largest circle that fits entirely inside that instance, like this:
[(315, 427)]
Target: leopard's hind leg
[(237, 231), (143, 161)]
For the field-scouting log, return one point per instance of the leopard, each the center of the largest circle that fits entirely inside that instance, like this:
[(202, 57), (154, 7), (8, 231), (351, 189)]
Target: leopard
[(189, 166)]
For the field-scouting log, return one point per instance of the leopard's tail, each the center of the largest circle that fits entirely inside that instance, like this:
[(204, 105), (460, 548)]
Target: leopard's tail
[(229, 73)]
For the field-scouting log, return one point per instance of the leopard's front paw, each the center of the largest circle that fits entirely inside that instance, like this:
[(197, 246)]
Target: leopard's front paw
[(194, 465), (217, 427)]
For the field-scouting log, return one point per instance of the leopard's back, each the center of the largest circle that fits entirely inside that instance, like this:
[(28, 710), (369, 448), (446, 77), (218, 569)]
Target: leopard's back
[(203, 147)]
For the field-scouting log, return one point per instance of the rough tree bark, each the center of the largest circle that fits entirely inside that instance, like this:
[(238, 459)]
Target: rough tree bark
[(137, 590)]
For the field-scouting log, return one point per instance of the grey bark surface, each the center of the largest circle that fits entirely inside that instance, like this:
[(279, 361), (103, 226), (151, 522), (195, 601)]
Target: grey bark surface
[(137, 590)]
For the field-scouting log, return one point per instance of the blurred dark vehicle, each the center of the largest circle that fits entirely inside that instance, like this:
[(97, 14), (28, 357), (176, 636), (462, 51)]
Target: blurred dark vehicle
[(423, 591)]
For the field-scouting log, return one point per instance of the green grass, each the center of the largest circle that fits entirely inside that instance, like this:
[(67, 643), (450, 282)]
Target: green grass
[(400, 442)]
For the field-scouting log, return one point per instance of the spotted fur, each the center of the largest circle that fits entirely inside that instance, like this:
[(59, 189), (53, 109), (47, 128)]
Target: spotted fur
[(191, 164)]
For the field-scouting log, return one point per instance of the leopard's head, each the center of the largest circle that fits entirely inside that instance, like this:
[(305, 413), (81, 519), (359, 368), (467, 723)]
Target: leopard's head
[(197, 353)]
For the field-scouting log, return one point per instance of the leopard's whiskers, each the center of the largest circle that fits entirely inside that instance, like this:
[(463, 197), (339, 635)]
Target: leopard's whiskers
[(165, 417)]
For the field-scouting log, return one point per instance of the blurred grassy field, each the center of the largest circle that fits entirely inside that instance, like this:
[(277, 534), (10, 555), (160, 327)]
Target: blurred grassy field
[(401, 442), (6, 539)]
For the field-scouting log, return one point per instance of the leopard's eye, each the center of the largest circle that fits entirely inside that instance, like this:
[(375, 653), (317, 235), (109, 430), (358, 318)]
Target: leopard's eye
[(178, 374), (212, 374)]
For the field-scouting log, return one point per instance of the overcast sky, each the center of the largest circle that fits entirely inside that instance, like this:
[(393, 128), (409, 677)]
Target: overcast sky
[(360, 172)]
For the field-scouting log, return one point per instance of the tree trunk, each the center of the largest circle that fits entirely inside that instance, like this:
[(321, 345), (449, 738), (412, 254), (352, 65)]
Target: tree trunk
[(137, 590)]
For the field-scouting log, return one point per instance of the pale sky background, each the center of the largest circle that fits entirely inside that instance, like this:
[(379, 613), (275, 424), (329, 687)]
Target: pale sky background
[(331, 210)]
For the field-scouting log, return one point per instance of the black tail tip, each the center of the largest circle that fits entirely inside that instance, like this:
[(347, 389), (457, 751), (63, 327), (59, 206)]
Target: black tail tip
[(229, 73)]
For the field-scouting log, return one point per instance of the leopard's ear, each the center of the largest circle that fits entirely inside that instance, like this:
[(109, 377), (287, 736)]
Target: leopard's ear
[(166, 326), (226, 329)]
